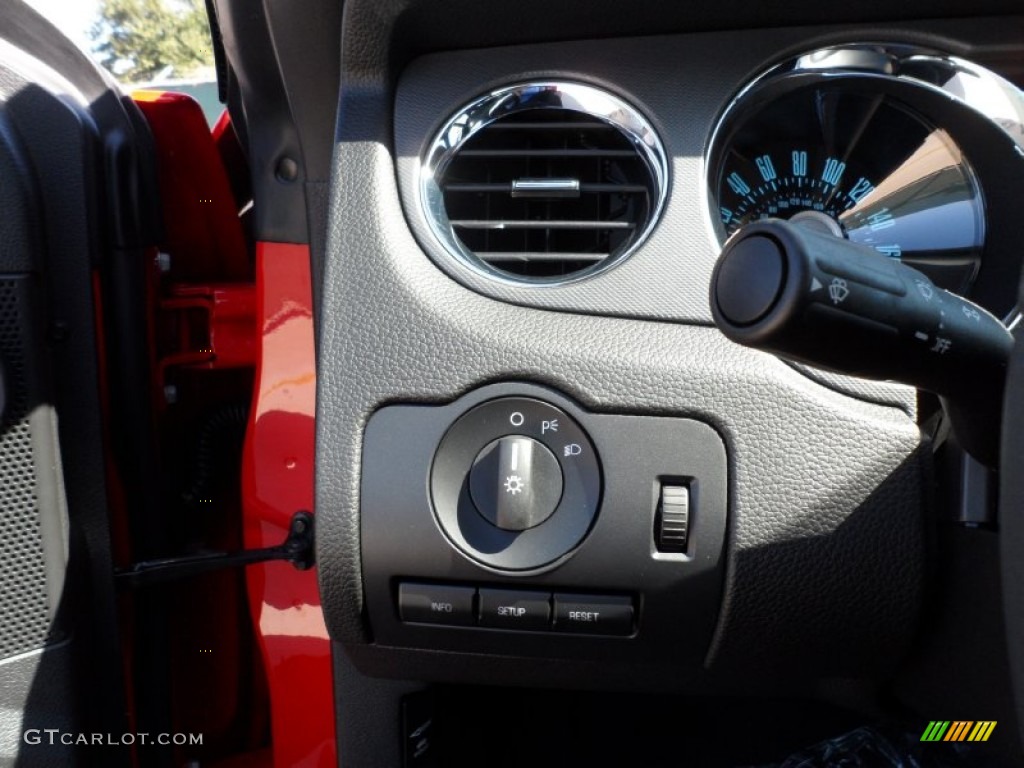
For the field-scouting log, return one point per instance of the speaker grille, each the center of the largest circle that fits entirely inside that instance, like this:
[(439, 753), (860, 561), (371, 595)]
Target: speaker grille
[(24, 601)]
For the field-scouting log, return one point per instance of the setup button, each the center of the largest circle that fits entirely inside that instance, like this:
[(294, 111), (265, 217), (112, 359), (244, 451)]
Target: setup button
[(511, 609)]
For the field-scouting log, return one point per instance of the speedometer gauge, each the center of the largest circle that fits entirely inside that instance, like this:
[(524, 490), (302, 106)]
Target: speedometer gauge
[(860, 165)]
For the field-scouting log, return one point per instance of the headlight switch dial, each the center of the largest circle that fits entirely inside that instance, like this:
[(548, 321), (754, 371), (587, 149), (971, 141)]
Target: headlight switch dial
[(516, 484)]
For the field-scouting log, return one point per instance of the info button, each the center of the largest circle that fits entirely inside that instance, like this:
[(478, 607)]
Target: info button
[(594, 614), (436, 604), (511, 609)]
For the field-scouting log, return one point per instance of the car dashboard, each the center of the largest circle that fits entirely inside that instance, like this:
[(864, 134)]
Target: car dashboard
[(811, 496), (485, 309)]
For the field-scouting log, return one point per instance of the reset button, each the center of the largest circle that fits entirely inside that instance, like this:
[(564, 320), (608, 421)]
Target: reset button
[(594, 614)]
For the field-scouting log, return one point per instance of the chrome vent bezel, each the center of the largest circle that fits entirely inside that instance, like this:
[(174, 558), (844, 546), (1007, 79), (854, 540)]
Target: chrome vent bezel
[(589, 101)]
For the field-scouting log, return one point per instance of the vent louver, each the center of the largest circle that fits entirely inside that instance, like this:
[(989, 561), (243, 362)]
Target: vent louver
[(544, 183)]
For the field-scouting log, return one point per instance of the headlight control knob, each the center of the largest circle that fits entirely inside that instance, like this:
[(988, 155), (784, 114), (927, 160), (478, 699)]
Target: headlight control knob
[(515, 483)]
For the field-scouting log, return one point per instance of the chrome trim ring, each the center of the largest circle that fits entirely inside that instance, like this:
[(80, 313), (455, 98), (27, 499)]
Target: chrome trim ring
[(548, 94)]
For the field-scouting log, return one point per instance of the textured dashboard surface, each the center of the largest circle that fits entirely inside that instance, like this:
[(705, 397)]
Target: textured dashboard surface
[(826, 544), (826, 489)]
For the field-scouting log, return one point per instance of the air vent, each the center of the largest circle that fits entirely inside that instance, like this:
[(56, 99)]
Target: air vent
[(544, 183)]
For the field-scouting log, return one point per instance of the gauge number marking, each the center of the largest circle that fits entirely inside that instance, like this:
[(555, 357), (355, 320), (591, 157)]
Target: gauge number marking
[(861, 189), (799, 163), (833, 171), (738, 185), (764, 165)]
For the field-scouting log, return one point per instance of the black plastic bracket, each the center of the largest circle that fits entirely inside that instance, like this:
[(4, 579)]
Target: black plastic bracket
[(297, 549)]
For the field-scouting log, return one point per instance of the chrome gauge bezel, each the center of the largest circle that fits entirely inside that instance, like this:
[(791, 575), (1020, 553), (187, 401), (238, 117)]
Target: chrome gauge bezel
[(527, 96), (926, 81)]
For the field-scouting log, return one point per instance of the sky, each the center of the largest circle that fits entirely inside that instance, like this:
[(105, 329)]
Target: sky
[(72, 17)]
